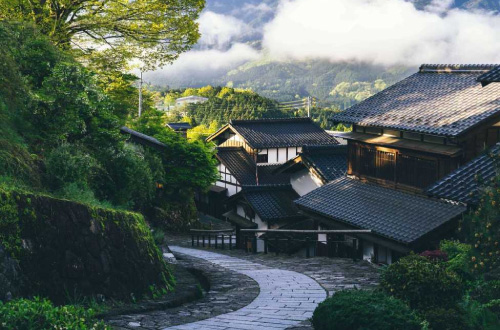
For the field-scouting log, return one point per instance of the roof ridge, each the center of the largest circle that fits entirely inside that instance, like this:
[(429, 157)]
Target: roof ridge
[(269, 120), (457, 68), (229, 148)]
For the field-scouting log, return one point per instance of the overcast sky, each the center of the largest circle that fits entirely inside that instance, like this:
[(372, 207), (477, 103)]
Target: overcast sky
[(384, 32)]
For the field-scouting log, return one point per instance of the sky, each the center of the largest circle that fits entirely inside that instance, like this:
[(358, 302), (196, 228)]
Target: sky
[(383, 32)]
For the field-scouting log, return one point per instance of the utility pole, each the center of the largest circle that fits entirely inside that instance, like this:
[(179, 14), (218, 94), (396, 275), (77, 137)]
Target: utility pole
[(309, 106), (140, 96)]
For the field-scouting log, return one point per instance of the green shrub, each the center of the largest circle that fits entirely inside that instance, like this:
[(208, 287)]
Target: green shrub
[(459, 256), (480, 316), (359, 309), (159, 236), (446, 319), (40, 314), (422, 283)]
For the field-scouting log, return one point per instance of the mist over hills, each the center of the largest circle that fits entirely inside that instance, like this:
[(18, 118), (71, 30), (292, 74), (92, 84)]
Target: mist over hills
[(259, 44)]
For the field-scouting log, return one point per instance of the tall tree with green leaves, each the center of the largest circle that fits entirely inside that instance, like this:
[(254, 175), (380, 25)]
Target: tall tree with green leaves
[(154, 31)]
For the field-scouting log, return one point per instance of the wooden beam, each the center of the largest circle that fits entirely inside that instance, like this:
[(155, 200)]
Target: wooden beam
[(296, 231)]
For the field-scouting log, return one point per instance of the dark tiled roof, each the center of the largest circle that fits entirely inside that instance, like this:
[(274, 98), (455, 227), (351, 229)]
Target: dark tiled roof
[(179, 126), (439, 99), (273, 133), (393, 214), (273, 203), (142, 138), (329, 161), (245, 170), (462, 184), (490, 76)]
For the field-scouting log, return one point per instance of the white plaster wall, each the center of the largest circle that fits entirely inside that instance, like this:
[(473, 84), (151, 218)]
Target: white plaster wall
[(231, 189), (282, 155), (240, 211), (272, 156), (291, 152), (304, 182)]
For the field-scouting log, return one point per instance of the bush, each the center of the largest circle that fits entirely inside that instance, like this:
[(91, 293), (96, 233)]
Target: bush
[(459, 256), (358, 309), (422, 283), (40, 314), (446, 319)]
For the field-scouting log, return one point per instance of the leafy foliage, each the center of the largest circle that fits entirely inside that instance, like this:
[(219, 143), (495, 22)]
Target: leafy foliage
[(482, 229), (41, 314), (152, 30), (422, 283), (358, 309)]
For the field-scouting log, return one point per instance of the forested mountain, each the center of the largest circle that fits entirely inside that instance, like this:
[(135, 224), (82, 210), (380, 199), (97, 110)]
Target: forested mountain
[(288, 80)]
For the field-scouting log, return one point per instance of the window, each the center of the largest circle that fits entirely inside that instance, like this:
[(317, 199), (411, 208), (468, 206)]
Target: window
[(416, 171), (393, 133), (386, 165), (373, 130), (262, 158), (390, 165)]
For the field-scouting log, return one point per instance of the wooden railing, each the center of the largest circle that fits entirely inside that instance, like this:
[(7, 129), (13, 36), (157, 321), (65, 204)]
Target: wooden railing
[(214, 236), (329, 248)]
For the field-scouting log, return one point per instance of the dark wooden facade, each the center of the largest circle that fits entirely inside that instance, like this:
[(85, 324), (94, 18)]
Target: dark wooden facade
[(410, 161)]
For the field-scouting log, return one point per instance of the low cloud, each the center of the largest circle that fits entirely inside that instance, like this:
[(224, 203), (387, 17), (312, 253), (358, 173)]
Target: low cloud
[(384, 32), (203, 62), (218, 30)]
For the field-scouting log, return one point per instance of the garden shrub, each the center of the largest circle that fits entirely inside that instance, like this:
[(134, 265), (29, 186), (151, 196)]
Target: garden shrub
[(41, 314), (446, 319), (422, 283), (459, 255), (360, 309)]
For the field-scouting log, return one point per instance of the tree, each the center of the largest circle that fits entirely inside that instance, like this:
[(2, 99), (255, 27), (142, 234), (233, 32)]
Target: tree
[(482, 226), (155, 31)]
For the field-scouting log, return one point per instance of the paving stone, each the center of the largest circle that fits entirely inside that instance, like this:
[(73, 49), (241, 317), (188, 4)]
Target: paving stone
[(290, 289)]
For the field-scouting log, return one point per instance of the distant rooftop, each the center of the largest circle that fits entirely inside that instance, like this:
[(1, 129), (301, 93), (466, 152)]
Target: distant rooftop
[(275, 133), (462, 185), (179, 126), (142, 138), (191, 97), (444, 100)]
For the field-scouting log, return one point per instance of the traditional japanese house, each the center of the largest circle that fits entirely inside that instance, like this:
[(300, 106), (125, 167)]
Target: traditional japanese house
[(405, 139), (424, 127), (248, 153)]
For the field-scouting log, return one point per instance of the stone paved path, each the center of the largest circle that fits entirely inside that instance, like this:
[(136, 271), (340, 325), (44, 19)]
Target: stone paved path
[(286, 298)]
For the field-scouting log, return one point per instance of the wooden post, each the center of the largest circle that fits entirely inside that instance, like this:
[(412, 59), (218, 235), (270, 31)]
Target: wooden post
[(223, 241), (230, 241), (277, 243), (209, 241), (197, 240), (215, 241), (203, 238), (354, 249), (192, 240), (307, 247), (328, 246), (265, 245), (254, 244)]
